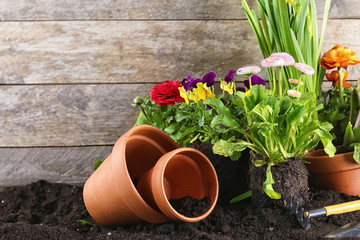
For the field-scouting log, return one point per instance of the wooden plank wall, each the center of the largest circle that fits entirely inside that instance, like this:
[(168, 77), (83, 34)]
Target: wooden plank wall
[(69, 71)]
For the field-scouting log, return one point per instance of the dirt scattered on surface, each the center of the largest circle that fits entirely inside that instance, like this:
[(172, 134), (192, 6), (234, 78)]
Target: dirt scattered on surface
[(44, 210)]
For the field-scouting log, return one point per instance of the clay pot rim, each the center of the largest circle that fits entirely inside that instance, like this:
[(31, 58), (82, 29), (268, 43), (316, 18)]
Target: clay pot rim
[(319, 162), (320, 153), (168, 207), (135, 202)]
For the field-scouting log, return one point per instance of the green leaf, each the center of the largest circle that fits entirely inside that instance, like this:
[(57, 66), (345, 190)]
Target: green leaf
[(267, 186), (354, 110), (230, 149), (349, 137), (241, 197), (97, 164), (201, 121), (173, 127), (356, 155), (85, 223), (142, 120), (326, 139)]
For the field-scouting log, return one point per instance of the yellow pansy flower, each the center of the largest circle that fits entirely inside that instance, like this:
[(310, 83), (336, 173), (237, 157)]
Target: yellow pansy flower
[(200, 93), (183, 94), (228, 87)]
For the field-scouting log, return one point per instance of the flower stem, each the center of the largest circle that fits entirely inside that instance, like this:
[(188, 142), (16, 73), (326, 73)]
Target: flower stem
[(280, 82), (250, 85), (274, 80), (341, 86)]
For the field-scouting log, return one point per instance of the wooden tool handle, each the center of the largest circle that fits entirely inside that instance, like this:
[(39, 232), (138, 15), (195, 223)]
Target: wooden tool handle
[(343, 208)]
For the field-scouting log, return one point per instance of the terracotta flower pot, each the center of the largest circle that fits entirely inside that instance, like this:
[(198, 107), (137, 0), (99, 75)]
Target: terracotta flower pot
[(180, 173), (112, 198), (340, 173), (110, 195)]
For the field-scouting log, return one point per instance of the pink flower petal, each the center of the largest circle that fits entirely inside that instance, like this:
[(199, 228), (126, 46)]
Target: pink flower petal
[(273, 62), (289, 60), (248, 70), (304, 68)]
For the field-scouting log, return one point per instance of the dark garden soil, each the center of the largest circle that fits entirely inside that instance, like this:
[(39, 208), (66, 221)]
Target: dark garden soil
[(44, 210)]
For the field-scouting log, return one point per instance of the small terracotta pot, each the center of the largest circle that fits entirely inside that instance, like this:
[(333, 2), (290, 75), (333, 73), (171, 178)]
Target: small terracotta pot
[(110, 195), (340, 173), (163, 171), (180, 173)]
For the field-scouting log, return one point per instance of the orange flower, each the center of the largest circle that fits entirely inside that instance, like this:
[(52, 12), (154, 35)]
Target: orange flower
[(334, 77), (339, 57)]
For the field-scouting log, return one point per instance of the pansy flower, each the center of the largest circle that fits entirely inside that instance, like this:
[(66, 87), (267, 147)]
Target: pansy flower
[(228, 84), (190, 83), (209, 79), (230, 76), (255, 80), (200, 93), (228, 87)]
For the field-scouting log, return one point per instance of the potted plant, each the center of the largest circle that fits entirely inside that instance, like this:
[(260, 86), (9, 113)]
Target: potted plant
[(280, 128), (341, 172), (276, 124)]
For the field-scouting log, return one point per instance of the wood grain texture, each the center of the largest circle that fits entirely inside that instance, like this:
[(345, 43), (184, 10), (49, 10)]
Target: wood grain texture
[(72, 115), (36, 10), (108, 52), (120, 9), (69, 70), (21, 166), (135, 51)]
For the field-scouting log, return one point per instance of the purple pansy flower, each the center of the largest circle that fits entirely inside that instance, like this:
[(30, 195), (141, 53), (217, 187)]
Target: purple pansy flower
[(190, 83), (209, 79), (255, 80), (230, 76)]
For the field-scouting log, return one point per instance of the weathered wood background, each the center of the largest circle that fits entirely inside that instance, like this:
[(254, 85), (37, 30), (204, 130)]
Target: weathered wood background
[(69, 71)]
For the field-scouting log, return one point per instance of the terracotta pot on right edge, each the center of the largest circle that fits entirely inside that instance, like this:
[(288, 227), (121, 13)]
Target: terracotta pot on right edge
[(340, 173)]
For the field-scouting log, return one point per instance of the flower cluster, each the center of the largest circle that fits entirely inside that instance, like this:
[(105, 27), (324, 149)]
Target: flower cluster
[(338, 100), (281, 60), (197, 89), (338, 57)]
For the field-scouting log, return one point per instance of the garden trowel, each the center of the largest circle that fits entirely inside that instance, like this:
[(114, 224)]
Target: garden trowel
[(348, 230), (304, 216)]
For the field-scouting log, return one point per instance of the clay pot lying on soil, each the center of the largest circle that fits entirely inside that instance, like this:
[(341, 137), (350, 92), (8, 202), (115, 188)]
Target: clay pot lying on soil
[(184, 172), (340, 173), (110, 193)]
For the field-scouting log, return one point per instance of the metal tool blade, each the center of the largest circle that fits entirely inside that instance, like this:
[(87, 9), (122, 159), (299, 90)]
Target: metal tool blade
[(348, 230)]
